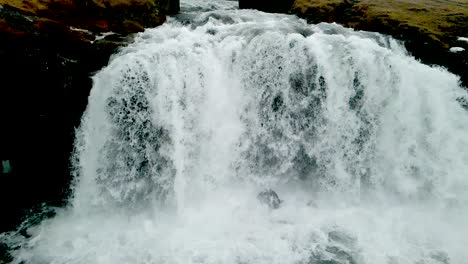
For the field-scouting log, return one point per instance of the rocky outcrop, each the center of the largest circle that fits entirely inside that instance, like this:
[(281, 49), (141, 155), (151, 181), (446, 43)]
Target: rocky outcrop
[(121, 16), (274, 6), (428, 28), (269, 198), (48, 52)]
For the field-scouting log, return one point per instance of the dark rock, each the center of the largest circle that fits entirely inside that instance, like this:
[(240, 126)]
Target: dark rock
[(4, 254), (48, 56), (269, 198), (341, 255), (276, 6), (440, 257), (340, 249), (334, 255), (6, 167), (341, 238)]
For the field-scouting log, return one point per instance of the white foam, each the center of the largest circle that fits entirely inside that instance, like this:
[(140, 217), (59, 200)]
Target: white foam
[(103, 36), (456, 49)]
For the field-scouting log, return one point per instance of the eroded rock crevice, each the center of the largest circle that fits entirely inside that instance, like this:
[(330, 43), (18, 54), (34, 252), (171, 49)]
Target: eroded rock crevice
[(48, 51)]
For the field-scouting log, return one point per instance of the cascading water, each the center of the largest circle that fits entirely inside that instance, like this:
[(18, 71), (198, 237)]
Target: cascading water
[(366, 147)]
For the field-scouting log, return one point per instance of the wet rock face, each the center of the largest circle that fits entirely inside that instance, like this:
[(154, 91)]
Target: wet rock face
[(269, 198), (119, 16), (45, 81), (276, 6), (48, 51)]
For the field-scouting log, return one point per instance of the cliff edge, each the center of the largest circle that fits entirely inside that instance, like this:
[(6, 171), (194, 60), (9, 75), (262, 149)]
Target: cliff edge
[(433, 31)]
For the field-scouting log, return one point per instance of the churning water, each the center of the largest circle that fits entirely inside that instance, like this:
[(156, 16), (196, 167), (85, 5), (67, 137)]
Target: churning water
[(367, 148)]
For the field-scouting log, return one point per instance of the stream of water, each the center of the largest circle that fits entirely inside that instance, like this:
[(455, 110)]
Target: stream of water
[(366, 147)]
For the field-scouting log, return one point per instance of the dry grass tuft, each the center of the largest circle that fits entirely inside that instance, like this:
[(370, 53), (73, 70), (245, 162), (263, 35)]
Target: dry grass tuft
[(439, 19)]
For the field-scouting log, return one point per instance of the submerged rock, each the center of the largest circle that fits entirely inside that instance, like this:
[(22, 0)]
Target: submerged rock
[(6, 167), (340, 249), (270, 198), (440, 257), (341, 238)]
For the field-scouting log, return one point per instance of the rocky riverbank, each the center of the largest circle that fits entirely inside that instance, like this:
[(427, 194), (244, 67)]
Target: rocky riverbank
[(432, 30), (48, 52)]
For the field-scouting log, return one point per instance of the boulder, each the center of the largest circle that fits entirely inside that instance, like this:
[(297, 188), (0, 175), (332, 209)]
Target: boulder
[(269, 198), (275, 6)]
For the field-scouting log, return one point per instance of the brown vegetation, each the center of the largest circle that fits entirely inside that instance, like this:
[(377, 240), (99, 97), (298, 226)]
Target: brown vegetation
[(97, 15), (427, 27), (441, 20)]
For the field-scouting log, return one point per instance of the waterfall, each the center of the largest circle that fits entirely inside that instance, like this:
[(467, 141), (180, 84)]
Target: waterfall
[(365, 146)]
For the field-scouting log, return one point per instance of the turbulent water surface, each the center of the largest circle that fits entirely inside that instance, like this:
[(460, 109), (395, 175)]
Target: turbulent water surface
[(366, 147)]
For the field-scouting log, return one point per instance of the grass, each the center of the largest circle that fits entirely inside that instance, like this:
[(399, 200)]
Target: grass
[(35, 6), (439, 19), (29, 6)]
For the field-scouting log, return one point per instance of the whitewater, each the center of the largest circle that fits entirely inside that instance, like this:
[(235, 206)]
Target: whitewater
[(366, 147)]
